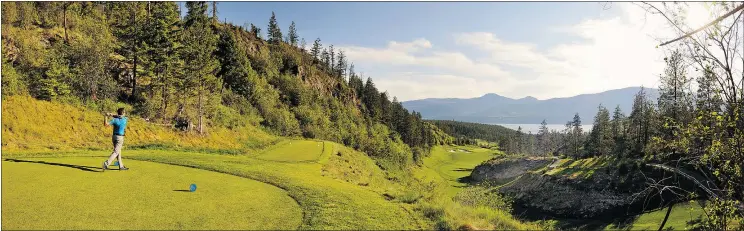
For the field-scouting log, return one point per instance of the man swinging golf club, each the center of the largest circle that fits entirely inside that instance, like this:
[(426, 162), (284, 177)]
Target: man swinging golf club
[(119, 122)]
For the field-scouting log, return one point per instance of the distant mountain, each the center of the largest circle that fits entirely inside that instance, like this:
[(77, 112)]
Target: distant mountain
[(492, 108)]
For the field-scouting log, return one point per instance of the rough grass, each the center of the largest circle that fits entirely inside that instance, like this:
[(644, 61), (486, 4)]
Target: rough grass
[(72, 193), (30, 124)]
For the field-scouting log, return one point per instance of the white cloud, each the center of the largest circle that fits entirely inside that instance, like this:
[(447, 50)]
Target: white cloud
[(613, 53)]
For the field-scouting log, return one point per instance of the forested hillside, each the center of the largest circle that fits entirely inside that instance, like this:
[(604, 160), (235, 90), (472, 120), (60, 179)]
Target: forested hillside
[(197, 74)]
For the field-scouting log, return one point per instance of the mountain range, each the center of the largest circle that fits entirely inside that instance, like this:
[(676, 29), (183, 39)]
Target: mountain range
[(495, 109)]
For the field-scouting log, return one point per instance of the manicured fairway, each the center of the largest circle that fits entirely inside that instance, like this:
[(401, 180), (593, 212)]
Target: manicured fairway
[(452, 164), (295, 151), (72, 193)]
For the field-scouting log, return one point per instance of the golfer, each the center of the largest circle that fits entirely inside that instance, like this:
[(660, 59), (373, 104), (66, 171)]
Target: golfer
[(119, 122)]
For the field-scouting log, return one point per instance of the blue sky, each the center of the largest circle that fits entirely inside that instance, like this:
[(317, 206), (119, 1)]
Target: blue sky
[(419, 50)]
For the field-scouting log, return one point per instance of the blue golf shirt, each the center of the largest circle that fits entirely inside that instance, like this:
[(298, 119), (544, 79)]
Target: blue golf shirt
[(119, 125)]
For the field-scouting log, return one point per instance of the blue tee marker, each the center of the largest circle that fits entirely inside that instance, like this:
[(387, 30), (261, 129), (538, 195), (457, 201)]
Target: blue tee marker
[(192, 187)]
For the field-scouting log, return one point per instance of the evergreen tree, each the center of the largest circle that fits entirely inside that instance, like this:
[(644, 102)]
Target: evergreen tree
[(292, 37), (127, 24), (600, 139), (164, 41), (275, 34), (341, 65), (316, 50), (233, 59), (371, 99), (200, 64), (543, 139), (618, 129), (519, 141), (332, 59), (256, 30), (576, 136)]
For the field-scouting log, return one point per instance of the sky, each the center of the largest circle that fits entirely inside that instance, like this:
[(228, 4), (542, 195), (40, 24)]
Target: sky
[(417, 50)]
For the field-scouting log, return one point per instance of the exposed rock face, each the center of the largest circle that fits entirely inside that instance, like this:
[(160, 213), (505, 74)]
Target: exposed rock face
[(605, 192), (503, 169), (568, 198)]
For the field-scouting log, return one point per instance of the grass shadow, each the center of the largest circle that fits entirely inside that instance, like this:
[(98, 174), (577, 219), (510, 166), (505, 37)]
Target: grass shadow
[(181, 190), (81, 167), (463, 170), (465, 180)]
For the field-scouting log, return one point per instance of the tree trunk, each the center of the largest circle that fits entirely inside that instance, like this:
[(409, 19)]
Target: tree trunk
[(201, 125), (669, 210), (164, 95), (134, 53), (64, 22)]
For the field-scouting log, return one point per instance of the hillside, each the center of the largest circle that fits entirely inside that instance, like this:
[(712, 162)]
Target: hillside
[(291, 132), (198, 75), (287, 183), (493, 108)]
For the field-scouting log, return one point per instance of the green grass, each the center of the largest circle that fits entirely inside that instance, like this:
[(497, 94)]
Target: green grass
[(575, 168), (295, 151), (41, 194), (452, 166), (678, 218), (445, 170), (247, 179)]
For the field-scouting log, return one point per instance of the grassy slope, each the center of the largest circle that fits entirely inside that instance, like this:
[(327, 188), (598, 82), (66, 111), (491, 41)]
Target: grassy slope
[(294, 151), (69, 193), (446, 169), (334, 186), (326, 201), (452, 166), (30, 124)]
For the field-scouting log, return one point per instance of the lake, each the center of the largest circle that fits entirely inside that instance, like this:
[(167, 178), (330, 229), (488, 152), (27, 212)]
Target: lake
[(534, 128)]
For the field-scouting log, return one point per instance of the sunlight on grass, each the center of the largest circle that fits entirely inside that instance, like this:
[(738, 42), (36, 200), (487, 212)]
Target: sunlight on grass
[(681, 214), (71, 193)]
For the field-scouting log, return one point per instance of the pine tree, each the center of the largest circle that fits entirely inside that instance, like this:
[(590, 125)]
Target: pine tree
[(163, 37), (292, 35), (600, 138), (197, 13), (576, 135), (519, 141), (214, 12), (325, 58), (256, 30), (128, 25), (275, 34), (618, 128), (233, 70), (198, 55), (542, 138), (303, 45), (371, 99), (315, 51), (341, 65), (640, 120), (332, 61)]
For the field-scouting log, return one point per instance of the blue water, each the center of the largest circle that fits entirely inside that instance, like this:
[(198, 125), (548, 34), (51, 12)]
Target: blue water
[(534, 128)]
